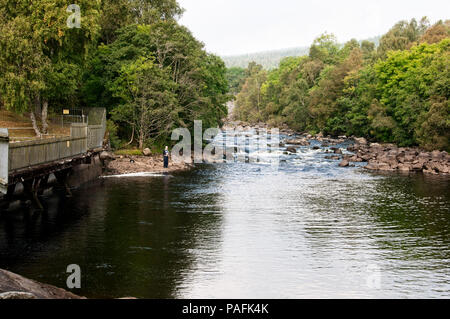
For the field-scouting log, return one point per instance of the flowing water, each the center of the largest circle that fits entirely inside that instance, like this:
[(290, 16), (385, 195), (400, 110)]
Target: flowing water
[(304, 229)]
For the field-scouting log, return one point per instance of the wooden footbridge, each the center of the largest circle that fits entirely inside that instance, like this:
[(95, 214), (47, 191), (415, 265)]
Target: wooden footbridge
[(33, 163)]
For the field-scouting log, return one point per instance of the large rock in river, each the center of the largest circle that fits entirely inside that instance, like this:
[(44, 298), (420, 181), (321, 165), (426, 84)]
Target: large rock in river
[(344, 163), (301, 142), (291, 149)]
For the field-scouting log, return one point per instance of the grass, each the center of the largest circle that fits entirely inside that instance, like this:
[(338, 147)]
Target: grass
[(129, 152)]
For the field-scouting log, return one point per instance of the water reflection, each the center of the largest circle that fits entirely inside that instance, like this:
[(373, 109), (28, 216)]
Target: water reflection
[(131, 237)]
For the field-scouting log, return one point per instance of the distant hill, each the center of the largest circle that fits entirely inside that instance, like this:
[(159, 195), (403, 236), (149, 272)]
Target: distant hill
[(271, 59), (268, 59)]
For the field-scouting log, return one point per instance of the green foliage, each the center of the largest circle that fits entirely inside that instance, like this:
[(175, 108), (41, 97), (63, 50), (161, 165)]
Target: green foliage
[(156, 77), (398, 93), (325, 48), (235, 77), (129, 152), (112, 129), (41, 59), (402, 36), (130, 56)]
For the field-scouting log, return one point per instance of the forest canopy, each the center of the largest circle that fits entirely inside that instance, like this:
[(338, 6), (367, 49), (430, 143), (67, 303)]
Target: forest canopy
[(395, 92), (130, 56)]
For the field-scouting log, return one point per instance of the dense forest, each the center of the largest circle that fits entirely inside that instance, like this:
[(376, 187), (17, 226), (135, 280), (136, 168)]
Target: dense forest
[(395, 92), (130, 56)]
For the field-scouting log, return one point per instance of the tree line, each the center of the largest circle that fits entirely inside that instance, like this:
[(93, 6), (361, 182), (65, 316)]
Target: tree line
[(130, 56), (395, 92)]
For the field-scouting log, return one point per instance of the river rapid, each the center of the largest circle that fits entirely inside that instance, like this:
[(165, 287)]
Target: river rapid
[(304, 228)]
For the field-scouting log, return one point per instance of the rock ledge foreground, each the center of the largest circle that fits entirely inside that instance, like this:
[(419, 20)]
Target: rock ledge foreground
[(13, 286)]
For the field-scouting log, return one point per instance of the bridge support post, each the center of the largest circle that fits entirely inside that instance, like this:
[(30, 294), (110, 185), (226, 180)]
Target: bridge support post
[(61, 178), (30, 190), (43, 183)]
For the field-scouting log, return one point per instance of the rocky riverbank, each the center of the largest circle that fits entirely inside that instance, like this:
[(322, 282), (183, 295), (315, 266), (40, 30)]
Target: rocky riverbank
[(13, 286), (119, 165), (379, 157), (388, 157)]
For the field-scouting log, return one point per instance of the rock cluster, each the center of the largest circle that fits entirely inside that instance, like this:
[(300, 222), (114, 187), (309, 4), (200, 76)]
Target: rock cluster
[(388, 157), (299, 141)]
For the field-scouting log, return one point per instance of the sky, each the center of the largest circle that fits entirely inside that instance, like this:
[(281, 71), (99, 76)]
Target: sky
[(230, 27)]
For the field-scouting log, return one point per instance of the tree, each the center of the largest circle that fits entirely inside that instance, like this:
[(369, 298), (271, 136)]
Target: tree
[(235, 78), (196, 78), (117, 14), (402, 36), (436, 33), (325, 48), (249, 101), (45, 67), (324, 105), (408, 80), (150, 106)]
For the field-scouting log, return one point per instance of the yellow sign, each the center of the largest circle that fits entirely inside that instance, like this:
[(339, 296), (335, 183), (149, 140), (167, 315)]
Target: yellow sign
[(66, 112)]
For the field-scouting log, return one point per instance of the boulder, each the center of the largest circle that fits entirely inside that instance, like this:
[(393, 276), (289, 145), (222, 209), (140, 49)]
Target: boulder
[(344, 163), (417, 166), (404, 167), (147, 152), (13, 286), (356, 159), (437, 167), (301, 142), (106, 156), (437, 155), (291, 150), (361, 140), (336, 150), (17, 295)]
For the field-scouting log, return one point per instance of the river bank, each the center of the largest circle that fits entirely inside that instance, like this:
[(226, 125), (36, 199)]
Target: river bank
[(121, 165)]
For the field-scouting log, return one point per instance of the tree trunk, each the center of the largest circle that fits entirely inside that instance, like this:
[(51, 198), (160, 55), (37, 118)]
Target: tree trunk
[(35, 126), (44, 117), (132, 137), (141, 140)]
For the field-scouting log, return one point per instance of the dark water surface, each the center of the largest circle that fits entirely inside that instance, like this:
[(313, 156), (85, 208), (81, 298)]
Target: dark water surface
[(306, 230)]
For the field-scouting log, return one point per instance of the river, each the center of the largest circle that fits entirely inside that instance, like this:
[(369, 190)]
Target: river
[(305, 229)]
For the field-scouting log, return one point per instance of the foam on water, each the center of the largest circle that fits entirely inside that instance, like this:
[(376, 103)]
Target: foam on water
[(142, 174)]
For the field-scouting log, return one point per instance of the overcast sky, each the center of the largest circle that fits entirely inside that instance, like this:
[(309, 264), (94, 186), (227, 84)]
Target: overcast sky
[(229, 27)]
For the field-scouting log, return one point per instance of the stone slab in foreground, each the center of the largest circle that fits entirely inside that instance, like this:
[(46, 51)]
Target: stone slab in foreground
[(13, 286)]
